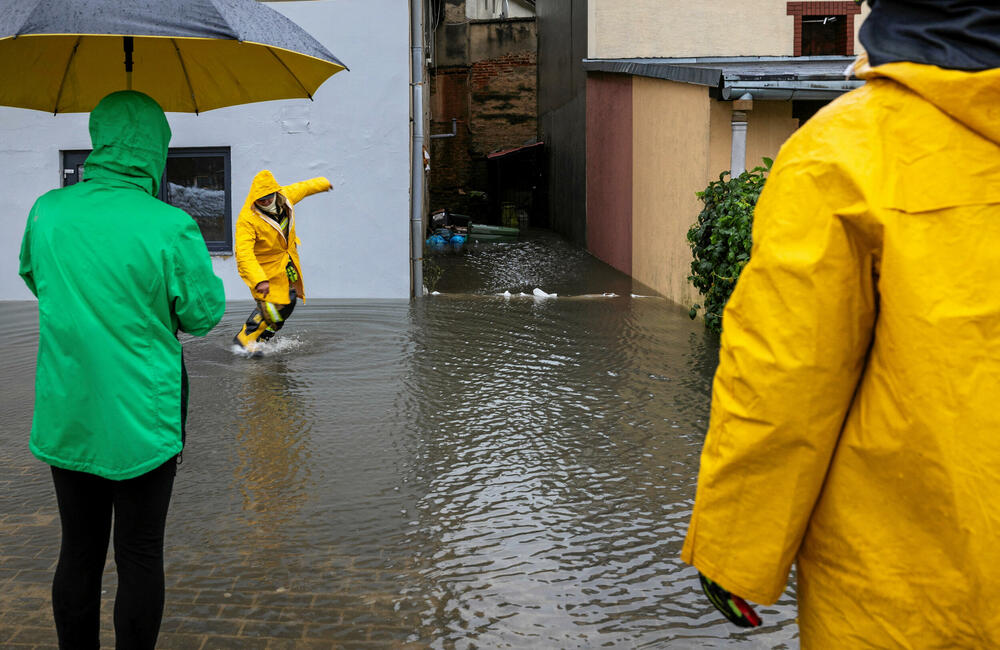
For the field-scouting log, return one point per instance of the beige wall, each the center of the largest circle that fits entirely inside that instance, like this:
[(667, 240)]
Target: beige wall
[(721, 153), (679, 28), (768, 126), (682, 139), (671, 133)]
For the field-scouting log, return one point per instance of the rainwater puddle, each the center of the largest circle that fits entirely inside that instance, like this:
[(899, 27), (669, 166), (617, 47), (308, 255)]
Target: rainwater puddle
[(465, 470)]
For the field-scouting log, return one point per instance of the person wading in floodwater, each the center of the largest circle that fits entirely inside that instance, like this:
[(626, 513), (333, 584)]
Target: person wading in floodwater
[(267, 255), (117, 274), (854, 428)]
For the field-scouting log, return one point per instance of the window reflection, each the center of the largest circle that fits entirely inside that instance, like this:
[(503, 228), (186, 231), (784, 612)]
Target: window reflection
[(197, 185)]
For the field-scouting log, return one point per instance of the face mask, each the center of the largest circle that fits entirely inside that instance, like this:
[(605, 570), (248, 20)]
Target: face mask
[(273, 207)]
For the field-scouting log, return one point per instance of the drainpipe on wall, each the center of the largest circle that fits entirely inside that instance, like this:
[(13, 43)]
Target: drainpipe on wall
[(454, 130), (738, 156), (738, 159), (417, 148)]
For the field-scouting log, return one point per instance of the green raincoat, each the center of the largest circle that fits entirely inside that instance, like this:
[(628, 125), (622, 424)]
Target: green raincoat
[(117, 273), (855, 428)]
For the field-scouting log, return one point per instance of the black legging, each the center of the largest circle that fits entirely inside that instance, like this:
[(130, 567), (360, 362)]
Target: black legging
[(140, 507)]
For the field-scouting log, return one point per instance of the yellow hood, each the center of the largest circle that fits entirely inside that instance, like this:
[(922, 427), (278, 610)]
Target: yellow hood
[(262, 185), (970, 98)]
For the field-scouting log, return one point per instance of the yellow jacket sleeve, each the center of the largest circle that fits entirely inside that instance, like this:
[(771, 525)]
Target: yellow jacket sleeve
[(246, 261), (298, 191), (795, 336)]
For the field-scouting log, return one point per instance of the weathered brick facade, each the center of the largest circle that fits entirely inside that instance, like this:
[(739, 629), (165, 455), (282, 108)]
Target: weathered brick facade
[(485, 77)]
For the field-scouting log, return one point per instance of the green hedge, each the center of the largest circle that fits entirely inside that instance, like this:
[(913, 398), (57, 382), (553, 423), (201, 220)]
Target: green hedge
[(720, 240)]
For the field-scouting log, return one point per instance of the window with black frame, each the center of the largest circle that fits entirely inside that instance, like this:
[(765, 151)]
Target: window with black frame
[(196, 180)]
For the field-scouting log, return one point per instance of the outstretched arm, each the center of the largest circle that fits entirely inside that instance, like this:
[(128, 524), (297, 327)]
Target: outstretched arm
[(298, 191)]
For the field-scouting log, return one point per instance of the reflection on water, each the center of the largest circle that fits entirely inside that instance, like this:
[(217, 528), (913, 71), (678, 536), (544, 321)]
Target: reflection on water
[(273, 448), (459, 471)]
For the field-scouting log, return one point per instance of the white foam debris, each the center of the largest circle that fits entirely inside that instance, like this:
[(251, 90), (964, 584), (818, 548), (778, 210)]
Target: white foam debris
[(538, 293)]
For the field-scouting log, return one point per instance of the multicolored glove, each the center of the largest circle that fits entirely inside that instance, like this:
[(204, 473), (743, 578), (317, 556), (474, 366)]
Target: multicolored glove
[(737, 610), (292, 273)]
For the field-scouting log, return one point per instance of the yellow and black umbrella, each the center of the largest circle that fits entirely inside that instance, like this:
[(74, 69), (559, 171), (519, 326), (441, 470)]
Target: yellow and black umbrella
[(63, 56)]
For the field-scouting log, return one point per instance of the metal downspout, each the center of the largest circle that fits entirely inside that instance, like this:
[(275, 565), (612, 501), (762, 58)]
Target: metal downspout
[(417, 148)]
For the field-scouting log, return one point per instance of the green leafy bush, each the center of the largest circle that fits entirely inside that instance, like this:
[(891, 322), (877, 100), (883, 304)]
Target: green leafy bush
[(720, 240)]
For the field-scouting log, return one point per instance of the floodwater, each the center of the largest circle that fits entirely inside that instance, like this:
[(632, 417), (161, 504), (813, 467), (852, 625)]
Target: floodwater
[(464, 470)]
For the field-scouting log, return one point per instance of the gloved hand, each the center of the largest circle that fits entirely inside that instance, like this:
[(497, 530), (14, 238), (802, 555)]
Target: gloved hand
[(737, 610)]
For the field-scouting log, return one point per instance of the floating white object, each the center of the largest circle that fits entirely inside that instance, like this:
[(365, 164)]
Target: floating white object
[(538, 293)]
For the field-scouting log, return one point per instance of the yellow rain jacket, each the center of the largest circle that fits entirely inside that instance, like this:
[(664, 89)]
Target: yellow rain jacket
[(262, 250), (855, 425)]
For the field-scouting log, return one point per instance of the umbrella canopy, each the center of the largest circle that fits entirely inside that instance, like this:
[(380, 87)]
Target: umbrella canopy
[(63, 56)]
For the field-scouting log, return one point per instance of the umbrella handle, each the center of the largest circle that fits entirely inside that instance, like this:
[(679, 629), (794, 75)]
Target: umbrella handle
[(127, 44)]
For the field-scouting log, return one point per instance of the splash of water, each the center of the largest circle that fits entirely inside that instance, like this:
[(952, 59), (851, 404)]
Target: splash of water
[(273, 347)]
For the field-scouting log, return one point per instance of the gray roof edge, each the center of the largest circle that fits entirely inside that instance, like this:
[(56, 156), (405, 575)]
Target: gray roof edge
[(713, 72), (669, 72)]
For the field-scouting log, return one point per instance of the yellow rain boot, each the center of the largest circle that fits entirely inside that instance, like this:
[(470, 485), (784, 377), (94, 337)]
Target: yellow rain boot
[(252, 330)]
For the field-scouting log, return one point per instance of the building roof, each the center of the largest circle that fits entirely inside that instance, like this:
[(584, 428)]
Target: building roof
[(762, 77)]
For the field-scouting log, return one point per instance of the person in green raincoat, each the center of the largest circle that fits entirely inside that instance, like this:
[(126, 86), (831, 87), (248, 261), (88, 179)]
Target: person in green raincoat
[(117, 274), (854, 427)]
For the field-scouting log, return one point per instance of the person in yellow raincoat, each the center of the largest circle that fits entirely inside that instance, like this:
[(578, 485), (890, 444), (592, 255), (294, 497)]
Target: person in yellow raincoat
[(267, 254), (855, 423)]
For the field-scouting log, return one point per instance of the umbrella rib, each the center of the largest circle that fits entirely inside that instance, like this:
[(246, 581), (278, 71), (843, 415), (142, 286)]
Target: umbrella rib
[(180, 58), (62, 83), (285, 66)]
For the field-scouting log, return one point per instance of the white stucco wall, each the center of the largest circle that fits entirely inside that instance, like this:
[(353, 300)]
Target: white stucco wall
[(355, 240)]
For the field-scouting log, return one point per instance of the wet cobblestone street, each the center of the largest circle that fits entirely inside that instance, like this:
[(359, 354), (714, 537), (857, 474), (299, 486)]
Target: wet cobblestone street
[(461, 471)]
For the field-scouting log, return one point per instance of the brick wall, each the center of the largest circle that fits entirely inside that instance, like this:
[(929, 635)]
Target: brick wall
[(493, 94), (846, 9)]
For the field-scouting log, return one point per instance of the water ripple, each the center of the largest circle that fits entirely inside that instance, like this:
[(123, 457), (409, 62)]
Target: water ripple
[(475, 471)]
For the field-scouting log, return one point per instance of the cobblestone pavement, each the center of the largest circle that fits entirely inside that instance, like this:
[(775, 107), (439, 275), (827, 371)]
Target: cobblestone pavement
[(226, 608), (214, 614)]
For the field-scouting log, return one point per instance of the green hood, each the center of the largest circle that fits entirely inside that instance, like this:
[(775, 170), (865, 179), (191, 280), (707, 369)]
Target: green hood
[(130, 135)]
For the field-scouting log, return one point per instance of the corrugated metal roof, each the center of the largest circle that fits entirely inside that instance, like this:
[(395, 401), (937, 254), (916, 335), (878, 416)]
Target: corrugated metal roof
[(763, 77)]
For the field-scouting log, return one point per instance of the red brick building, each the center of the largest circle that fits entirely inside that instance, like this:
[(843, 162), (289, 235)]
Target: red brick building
[(482, 76)]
